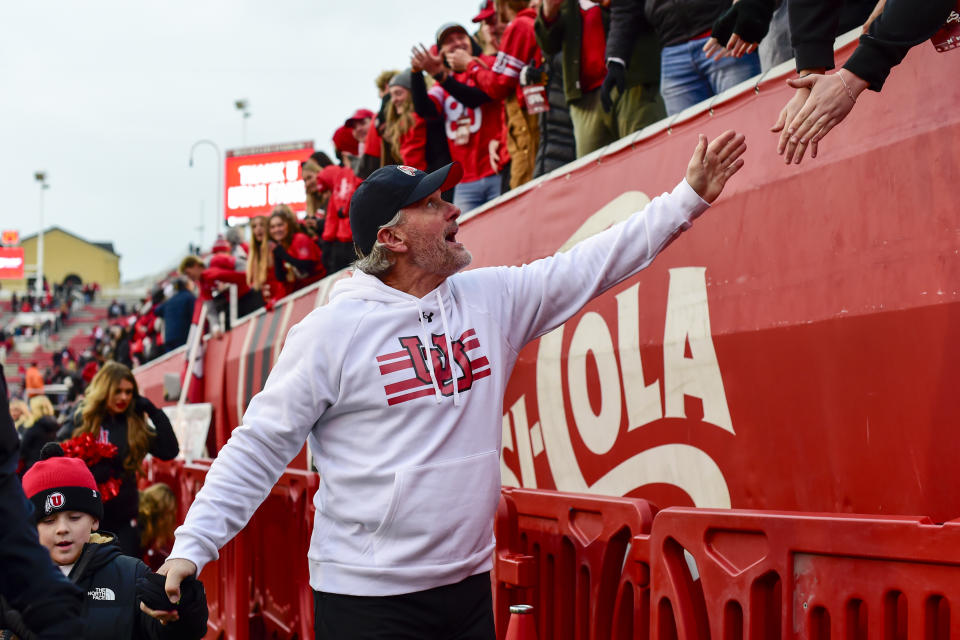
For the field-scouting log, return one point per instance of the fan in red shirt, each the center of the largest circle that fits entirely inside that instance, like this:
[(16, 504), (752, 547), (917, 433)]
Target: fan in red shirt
[(223, 272), (297, 259), (346, 146), (472, 119), (502, 82), (337, 237)]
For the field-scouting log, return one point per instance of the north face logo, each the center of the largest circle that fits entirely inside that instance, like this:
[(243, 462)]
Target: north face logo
[(460, 367), (101, 593)]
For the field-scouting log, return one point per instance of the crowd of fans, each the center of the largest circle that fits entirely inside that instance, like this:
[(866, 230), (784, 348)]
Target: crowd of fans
[(538, 83)]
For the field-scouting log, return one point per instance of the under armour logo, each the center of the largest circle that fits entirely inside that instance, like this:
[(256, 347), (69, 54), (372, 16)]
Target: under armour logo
[(428, 316)]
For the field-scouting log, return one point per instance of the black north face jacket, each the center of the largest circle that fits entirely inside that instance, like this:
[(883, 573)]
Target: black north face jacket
[(111, 609)]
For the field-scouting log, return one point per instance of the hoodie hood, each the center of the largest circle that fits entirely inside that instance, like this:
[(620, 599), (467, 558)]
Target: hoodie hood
[(363, 286), (98, 552)]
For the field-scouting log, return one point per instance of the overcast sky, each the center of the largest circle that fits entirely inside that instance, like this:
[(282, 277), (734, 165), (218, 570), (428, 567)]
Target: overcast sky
[(108, 96)]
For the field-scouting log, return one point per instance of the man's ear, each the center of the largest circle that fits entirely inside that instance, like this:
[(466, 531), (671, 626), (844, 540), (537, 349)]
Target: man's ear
[(95, 526), (393, 238)]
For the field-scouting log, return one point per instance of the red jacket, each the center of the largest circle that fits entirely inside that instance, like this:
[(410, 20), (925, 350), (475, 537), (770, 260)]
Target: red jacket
[(518, 48), (482, 124), (371, 146), (413, 145), (302, 247), (341, 182)]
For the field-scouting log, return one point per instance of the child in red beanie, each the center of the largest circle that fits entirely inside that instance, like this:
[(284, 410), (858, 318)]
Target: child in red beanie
[(119, 589)]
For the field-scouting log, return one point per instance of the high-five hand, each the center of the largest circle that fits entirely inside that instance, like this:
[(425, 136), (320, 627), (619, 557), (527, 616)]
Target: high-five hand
[(712, 165)]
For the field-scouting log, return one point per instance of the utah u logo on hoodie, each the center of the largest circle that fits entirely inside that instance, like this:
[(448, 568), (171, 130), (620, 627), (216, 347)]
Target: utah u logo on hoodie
[(409, 372)]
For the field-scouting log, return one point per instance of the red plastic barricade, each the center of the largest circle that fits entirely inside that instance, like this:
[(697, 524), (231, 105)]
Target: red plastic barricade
[(279, 537), (580, 560), (227, 579), (170, 473), (765, 574)]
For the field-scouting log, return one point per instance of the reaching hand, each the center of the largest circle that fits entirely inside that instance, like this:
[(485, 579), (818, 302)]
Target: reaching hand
[(736, 48), (789, 111), (421, 58), (713, 49), (741, 27), (739, 47), (712, 165), (616, 77), (827, 105)]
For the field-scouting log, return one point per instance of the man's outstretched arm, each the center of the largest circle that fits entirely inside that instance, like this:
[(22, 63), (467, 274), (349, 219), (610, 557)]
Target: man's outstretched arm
[(546, 293)]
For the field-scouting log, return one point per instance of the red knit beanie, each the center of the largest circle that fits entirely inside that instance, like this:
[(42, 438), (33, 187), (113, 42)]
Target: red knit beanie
[(57, 483)]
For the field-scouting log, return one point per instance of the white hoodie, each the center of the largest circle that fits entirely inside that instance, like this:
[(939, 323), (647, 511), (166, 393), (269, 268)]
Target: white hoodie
[(409, 462)]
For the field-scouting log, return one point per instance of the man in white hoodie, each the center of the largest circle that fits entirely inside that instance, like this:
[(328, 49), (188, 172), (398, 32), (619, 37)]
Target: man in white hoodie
[(403, 412)]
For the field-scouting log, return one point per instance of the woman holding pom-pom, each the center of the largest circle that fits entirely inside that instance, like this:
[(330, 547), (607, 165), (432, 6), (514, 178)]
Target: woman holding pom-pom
[(110, 432)]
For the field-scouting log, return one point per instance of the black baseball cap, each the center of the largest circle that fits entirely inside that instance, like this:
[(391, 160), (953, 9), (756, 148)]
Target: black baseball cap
[(389, 189)]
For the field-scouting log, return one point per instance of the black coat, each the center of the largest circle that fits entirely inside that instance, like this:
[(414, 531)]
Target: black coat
[(557, 145), (42, 431), (903, 24), (815, 24), (111, 609)]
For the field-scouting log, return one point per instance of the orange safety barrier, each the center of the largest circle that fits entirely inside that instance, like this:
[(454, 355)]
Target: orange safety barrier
[(767, 574), (580, 560)]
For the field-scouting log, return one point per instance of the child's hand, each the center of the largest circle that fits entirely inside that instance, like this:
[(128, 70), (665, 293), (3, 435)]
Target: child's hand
[(163, 616)]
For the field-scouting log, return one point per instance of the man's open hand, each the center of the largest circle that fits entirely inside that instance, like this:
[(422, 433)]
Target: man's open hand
[(712, 165)]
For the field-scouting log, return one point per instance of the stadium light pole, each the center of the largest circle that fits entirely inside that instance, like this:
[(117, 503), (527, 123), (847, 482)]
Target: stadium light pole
[(41, 177), (243, 106), (217, 211)]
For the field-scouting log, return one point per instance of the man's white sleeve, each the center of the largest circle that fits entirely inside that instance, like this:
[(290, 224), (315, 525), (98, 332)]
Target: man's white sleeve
[(275, 427), (544, 294)]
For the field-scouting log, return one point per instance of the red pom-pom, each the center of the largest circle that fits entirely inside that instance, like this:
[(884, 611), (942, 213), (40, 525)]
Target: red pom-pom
[(88, 449)]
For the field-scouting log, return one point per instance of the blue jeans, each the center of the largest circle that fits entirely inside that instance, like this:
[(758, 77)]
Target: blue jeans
[(687, 76), (470, 195)]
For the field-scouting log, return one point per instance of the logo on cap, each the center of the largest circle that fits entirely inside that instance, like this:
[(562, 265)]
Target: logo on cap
[(54, 501), (410, 171)]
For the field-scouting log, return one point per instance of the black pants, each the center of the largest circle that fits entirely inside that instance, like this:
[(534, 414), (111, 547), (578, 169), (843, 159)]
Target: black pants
[(461, 611)]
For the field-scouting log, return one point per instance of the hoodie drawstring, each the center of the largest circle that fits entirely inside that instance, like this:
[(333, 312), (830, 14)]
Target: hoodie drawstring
[(446, 332), (427, 347)]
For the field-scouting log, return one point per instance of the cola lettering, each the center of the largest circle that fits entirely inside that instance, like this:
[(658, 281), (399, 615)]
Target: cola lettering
[(624, 388)]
